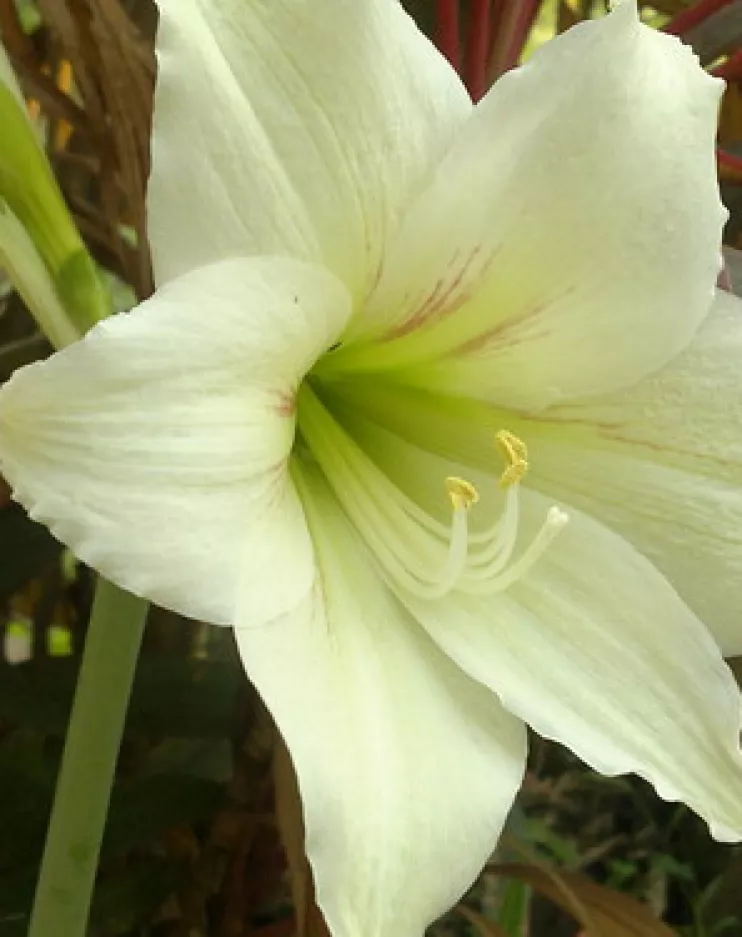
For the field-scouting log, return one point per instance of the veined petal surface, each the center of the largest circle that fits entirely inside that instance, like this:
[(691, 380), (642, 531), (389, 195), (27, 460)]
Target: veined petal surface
[(661, 463), (157, 447), (293, 127), (406, 767), (570, 242), (593, 648)]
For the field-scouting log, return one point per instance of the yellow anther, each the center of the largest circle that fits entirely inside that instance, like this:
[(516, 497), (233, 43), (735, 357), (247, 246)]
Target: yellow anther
[(515, 453), (461, 492)]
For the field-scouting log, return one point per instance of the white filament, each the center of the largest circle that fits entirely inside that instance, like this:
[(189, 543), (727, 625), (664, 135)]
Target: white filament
[(499, 577), (417, 553)]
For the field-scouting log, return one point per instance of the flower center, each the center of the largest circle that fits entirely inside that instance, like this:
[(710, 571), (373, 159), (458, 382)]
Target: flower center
[(416, 552)]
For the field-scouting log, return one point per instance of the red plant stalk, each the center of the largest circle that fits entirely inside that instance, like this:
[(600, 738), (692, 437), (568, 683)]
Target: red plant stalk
[(693, 16), (478, 44), (729, 161), (513, 22), (448, 31)]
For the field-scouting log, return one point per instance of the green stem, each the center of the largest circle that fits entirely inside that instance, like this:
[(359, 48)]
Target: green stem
[(65, 888)]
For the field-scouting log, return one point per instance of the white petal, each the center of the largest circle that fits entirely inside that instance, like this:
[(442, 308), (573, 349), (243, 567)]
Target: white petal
[(157, 447), (570, 242), (299, 128), (661, 463), (593, 648), (406, 767)]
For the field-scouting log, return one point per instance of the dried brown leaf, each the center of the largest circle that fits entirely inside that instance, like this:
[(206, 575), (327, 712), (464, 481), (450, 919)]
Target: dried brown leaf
[(18, 45), (601, 911), (309, 920), (484, 926), (113, 67)]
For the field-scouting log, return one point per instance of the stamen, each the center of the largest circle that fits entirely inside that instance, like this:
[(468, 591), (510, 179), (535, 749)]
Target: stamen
[(501, 539), (461, 492), (502, 536), (437, 584), (515, 453), (490, 569), (418, 553), (556, 521)]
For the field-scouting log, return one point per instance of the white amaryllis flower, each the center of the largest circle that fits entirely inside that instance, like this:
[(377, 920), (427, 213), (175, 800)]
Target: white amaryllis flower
[(368, 291)]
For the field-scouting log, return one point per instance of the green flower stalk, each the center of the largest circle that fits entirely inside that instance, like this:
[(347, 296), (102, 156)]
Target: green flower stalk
[(44, 256), (40, 247)]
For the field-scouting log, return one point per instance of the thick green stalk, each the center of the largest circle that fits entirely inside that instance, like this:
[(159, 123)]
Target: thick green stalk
[(65, 888)]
